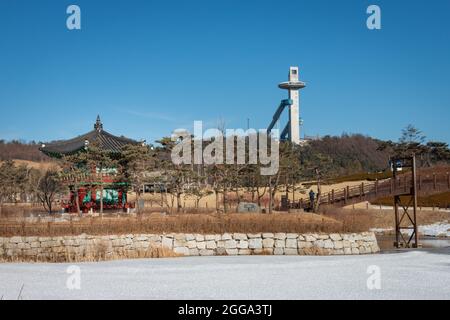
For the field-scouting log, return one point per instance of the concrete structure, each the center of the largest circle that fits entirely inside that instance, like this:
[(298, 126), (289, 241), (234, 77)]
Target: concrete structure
[(292, 130), (93, 247)]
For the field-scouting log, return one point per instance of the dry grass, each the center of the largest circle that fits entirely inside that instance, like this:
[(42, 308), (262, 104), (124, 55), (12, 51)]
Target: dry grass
[(363, 220), (44, 165), (95, 254), (20, 210), (315, 251), (352, 220), (441, 200), (183, 223)]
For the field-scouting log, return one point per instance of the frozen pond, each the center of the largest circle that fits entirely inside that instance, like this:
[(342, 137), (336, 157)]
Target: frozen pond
[(386, 242), (419, 274)]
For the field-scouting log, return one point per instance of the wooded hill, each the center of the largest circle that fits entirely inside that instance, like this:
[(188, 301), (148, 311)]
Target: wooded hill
[(21, 150)]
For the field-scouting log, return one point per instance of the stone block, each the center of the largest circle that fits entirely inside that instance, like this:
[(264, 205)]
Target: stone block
[(180, 236), (190, 237), (244, 252), (291, 243), (278, 251), (179, 243), (221, 244), (255, 243), (268, 243), (290, 252), (167, 242), (230, 244), (338, 244), (243, 244), (182, 250), (240, 236), (206, 252), (335, 237), (304, 244), (232, 252), (201, 245), (221, 251), (211, 244), (191, 244), (319, 243), (15, 240), (280, 236), (328, 244), (280, 243), (226, 236)]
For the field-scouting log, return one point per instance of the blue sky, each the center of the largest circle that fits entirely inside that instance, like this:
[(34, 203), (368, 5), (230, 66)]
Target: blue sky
[(148, 67)]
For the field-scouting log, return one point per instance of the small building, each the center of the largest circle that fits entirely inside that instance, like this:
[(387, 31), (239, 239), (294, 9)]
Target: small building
[(89, 192)]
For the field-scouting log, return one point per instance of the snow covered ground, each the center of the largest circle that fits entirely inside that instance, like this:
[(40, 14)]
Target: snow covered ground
[(435, 230), (438, 229), (406, 275)]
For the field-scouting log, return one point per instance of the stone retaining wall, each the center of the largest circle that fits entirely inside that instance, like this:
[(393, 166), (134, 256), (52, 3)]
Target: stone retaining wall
[(88, 247)]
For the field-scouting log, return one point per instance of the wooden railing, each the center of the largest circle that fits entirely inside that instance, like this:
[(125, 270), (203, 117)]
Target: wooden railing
[(426, 185)]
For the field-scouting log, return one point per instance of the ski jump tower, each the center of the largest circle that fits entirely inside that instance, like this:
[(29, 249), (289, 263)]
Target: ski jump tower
[(292, 130)]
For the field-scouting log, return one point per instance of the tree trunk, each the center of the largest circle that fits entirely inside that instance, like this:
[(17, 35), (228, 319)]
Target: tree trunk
[(319, 192), (238, 199), (293, 191), (270, 195), (216, 193), (224, 200), (178, 202), (101, 199), (77, 200), (138, 197)]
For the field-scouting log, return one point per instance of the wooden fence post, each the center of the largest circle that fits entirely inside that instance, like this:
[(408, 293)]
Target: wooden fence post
[(361, 190), (376, 187), (434, 181)]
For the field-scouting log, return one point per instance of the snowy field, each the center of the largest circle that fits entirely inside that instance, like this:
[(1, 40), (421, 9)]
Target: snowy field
[(407, 275), (438, 229)]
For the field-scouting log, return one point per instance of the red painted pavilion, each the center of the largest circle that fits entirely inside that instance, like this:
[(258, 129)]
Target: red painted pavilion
[(114, 191)]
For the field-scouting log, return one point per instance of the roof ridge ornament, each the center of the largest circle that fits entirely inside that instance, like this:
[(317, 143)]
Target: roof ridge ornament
[(98, 124)]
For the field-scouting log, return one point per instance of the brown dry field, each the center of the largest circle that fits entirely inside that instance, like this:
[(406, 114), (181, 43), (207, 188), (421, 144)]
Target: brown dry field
[(331, 220), (382, 218), (176, 223), (36, 165)]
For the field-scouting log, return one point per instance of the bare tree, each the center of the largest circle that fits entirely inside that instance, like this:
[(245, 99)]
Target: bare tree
[(47, 188)]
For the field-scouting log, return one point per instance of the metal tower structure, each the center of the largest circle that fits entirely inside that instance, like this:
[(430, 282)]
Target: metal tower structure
[(405, 201), (292, 130)]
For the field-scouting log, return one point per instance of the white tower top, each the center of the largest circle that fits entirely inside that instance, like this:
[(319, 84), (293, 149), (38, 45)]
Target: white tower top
[(293, 85)]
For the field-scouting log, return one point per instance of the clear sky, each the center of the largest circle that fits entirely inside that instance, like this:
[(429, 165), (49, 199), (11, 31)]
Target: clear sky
[(148, 67)]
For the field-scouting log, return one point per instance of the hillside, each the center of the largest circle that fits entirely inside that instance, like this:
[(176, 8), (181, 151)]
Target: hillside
[(349, 154), (21, 150)]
